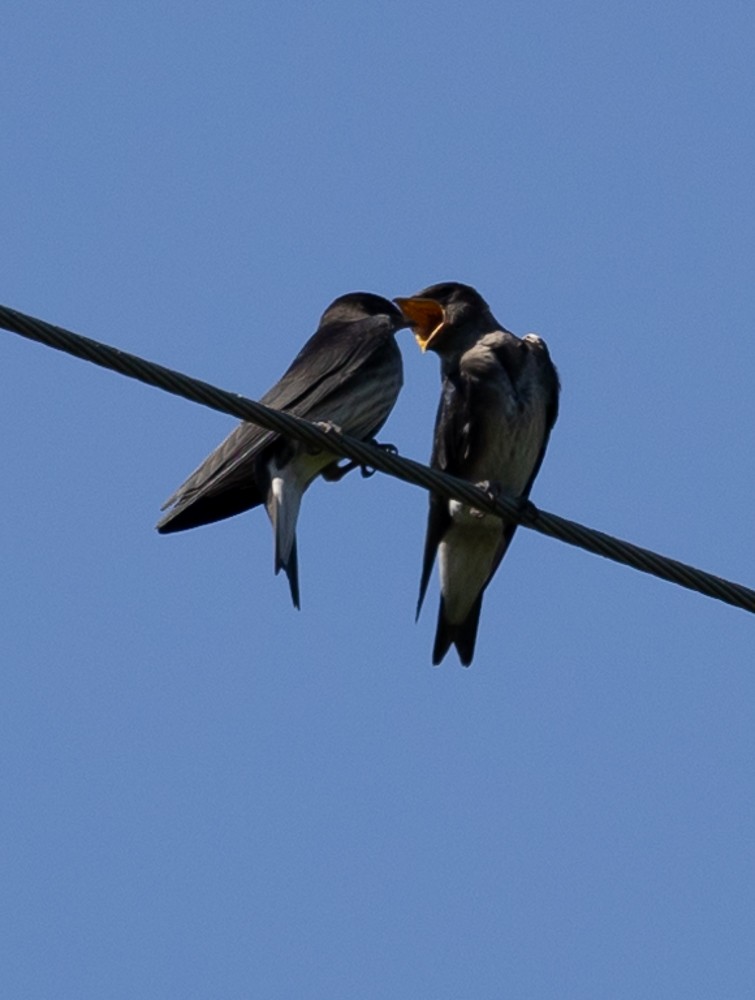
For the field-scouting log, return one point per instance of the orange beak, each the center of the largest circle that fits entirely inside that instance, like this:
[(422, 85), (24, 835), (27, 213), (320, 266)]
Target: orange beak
[(425, 317)]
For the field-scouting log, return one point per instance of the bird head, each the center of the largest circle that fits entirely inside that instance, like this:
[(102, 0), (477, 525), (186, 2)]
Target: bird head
[(442, 314), (356, 306)]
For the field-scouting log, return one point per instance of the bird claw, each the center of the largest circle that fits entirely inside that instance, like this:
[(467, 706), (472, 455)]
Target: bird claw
[(490, 489), (327, 427), (391, 449), (334, 473), (526, 511), (493, 489)]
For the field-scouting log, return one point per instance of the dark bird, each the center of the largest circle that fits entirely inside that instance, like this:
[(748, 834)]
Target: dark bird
[(348, 374), (499, 402)]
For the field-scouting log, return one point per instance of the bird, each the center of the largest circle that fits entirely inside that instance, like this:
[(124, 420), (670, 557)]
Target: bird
[(499, 402), (348, 375)]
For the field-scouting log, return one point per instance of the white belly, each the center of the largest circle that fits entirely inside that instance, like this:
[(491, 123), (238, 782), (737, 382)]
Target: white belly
[(465, 558)]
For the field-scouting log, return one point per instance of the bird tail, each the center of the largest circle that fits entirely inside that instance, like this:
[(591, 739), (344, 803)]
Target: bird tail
[(463, 635), (291, 568), (283, 501)]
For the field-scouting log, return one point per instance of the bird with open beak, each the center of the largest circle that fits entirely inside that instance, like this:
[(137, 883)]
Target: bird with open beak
[(348, 374), (498, 405)]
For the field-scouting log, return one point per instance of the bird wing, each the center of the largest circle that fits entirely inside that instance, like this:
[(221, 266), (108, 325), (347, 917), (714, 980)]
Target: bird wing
[(329, 359), (230, 465), (332, 357), (534, 350), (551, 387), (450, 446)]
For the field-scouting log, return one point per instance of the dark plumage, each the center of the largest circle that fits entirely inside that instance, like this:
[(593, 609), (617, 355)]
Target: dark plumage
[(349, 373), (499, 402)]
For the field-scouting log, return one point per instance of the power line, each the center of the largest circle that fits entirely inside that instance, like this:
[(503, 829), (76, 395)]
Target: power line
[(376, 458)]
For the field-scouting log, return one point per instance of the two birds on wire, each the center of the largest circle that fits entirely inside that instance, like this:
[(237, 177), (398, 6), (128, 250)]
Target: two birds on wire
[(498, 405)]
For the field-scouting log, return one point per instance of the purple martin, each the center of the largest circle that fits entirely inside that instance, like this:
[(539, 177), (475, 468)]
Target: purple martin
[(498, 405), (348, 374)]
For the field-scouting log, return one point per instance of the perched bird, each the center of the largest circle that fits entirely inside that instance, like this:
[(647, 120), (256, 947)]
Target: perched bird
[(348, 374), (499, 402)]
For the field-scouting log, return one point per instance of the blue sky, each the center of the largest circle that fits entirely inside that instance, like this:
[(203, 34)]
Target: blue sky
[(206, 794)]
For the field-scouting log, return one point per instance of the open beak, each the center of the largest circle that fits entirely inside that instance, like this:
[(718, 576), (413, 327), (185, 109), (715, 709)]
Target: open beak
[(425, 316)]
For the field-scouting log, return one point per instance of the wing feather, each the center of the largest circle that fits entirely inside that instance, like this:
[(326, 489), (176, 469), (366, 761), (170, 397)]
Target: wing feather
[(331, 358)]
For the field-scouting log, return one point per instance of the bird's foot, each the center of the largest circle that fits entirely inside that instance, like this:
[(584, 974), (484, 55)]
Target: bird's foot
[(334, 473), (492, 489), (391, 449), (490, 486), (526, 511), (327, 427)]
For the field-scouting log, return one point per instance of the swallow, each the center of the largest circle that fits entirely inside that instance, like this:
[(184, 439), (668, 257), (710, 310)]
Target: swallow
[(347, 375), (498, 405)]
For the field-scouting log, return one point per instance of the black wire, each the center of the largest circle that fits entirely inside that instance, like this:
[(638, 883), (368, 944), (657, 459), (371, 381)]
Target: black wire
[(376, 458)]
